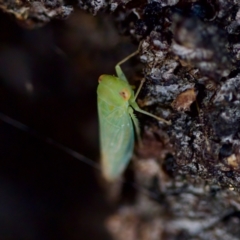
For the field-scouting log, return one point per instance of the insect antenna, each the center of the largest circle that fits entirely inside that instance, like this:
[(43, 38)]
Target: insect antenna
[(71, 152), (48, 140)]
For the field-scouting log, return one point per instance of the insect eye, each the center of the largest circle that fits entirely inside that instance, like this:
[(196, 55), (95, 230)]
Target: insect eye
[(125, 94)]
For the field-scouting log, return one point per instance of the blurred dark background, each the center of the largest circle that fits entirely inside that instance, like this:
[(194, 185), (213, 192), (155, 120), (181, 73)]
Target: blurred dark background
[(48, 81)]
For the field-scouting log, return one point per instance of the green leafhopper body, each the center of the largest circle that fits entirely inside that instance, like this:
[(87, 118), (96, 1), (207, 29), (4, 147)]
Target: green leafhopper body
[(116, 101)]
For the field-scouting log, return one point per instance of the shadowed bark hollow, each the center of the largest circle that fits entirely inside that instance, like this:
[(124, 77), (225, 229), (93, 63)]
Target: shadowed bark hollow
[(188, 173)]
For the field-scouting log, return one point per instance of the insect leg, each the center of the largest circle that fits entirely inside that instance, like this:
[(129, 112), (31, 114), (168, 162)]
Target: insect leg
[(118, 69), (138, 109), (139, 89), (120, 73), (135, 123)]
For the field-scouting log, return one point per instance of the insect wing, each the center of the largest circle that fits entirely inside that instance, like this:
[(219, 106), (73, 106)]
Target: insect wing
[(116, 139)]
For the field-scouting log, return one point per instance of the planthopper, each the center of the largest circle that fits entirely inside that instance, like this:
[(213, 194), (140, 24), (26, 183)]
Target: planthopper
[(117, 122)]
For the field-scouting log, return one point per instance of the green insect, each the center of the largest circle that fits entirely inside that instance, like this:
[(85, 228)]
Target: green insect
[(116, 101)]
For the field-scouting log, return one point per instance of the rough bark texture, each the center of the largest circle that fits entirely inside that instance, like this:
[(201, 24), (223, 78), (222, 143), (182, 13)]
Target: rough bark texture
[(188, 173)]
